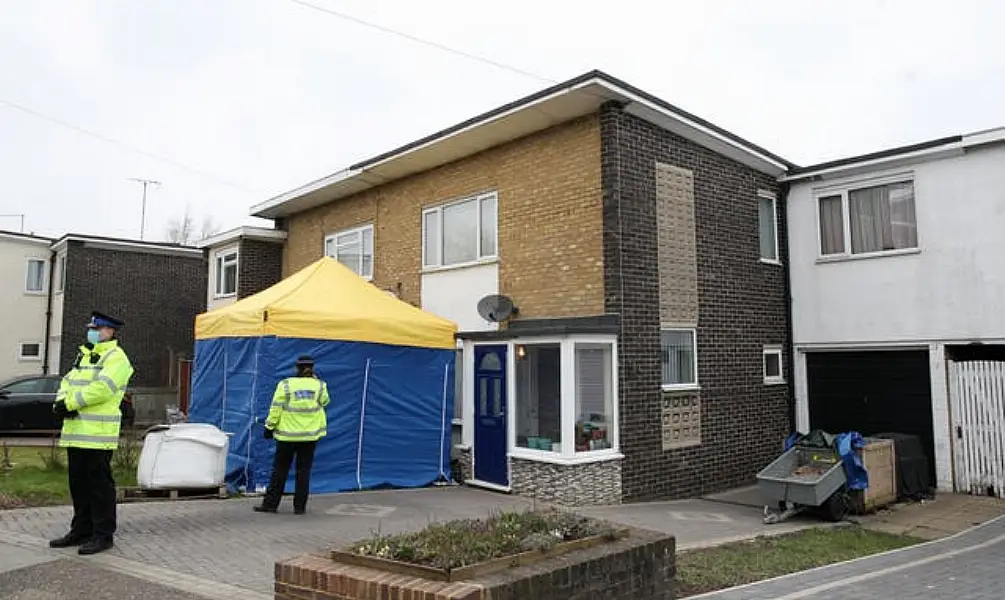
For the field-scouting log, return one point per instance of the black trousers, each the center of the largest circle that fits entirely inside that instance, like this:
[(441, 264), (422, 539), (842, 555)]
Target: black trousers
[(285, 452), (92, 489)]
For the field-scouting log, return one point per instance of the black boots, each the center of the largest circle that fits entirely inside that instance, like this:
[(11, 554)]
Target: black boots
[(87, 546), (67, 541), (94, 546)]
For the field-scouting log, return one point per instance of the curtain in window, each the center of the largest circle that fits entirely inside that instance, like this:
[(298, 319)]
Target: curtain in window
[(831, 226), (678, 357), (882, 218)]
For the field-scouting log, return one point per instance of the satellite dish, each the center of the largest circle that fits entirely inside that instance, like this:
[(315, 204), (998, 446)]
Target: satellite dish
[(496, 308)]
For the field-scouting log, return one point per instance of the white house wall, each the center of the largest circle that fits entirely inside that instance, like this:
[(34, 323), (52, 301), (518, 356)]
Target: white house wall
[(454, 294), (23, 316), (950, 291)]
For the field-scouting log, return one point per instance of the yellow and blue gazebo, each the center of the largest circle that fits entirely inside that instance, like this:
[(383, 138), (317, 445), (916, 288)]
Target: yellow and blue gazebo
[(389, 368)]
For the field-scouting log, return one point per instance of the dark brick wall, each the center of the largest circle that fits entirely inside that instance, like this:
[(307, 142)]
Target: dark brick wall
[(158, 297), (260, 265), (742, 307)]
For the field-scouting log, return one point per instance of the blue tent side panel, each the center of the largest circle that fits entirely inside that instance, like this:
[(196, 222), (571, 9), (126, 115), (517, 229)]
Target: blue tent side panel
[(223, 390), (407, 417), (405, 436), (342, 366)]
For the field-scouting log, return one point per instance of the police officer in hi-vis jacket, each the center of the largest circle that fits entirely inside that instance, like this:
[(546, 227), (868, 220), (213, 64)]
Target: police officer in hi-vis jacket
[(296, 420), (88, 401)]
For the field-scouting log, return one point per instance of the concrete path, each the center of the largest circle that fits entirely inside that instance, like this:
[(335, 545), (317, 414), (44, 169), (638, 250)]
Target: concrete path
[(964, 565), (221, 549)]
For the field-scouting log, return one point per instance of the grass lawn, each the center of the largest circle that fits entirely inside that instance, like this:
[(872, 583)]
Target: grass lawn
[(734, 564), (36, 480)]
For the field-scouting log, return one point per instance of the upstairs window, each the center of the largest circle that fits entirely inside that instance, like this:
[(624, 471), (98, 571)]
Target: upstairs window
[(34, 280), (354, 249), (226, 274), (461, 232), (767, 217), (61, 278), (868, 220)]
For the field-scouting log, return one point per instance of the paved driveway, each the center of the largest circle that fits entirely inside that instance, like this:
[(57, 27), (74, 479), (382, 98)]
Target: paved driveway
[(224, 541)]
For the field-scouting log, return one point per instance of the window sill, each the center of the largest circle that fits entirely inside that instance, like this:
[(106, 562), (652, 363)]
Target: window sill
[(771, 261), (681, 388), (224, 296), (29, 358), (581, 458), (34, 292), (849, 257), (774, 381), (455, 267)]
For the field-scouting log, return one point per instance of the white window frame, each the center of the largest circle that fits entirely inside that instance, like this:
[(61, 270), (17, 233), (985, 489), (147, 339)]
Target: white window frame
[(676, 387), (332, 239), (222, 259), (775, 351), (61, 277), (766, 195), (27, 269), (21, 354), (480, 256), (843, 191)]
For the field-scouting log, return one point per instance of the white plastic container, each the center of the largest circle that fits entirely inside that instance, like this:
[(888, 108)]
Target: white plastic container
[(183, 455)]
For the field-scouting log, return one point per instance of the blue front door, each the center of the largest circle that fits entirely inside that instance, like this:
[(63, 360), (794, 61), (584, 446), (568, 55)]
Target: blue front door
[(490, 449)]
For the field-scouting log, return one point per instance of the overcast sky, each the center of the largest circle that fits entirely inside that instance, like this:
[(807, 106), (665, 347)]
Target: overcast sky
[(244, 99)]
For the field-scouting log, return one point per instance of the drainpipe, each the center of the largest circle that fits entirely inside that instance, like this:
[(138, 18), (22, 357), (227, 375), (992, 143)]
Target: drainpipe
[(790, 361), (48, 313)]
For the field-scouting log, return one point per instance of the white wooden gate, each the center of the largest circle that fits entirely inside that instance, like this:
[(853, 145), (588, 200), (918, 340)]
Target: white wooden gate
[(977, 396)]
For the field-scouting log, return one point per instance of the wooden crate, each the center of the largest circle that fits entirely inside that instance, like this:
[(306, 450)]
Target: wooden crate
[(880, 463)]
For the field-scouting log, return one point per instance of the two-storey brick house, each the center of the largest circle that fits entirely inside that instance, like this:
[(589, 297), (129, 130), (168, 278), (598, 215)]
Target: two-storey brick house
[(644, 249)]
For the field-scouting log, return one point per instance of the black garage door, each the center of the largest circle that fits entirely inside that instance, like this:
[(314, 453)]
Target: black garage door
[(872, 392)]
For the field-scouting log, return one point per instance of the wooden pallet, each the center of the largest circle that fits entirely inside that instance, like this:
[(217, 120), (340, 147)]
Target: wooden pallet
[(137, 494)]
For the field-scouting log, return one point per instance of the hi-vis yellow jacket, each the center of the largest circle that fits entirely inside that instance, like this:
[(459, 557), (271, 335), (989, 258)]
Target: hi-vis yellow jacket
[(297, 413), (94, 388)]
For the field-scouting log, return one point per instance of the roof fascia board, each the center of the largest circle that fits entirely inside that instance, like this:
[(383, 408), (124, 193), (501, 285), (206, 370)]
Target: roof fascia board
[(253, 233), (947, 150), (126, 246), (612, 90)]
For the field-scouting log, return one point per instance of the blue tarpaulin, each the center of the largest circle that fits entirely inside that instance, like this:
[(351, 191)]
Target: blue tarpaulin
[(389, 421)]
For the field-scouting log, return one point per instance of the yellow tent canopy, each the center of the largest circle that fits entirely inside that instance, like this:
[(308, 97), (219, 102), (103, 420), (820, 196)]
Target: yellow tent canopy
[(327, 301)]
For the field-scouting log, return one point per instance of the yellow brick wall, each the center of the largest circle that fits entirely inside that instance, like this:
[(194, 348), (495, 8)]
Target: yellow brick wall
[(550, 221)]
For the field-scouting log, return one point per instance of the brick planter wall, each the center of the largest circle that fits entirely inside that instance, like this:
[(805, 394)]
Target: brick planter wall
[(640, 567), (589, 484)]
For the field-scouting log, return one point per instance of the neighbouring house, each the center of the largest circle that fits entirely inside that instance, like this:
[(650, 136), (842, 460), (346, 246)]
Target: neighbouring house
[(155, 288), (898, 279), (26, 267), (242, 262), (645, 250), (53, 285)]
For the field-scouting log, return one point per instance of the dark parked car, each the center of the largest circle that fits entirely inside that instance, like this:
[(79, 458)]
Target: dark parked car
[(26, 404)]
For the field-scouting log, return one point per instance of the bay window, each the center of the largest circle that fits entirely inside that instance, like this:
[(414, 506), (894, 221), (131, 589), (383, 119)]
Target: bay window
[(565, 394)]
